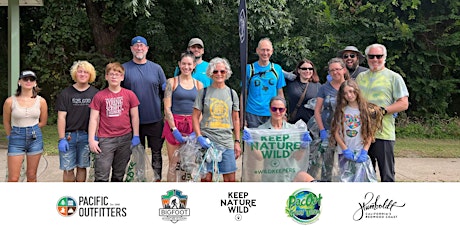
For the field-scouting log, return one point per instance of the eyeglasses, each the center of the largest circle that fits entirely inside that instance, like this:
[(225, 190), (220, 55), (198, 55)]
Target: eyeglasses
[(307, 68), (279, 109), (115, 74), (333, 70), (345, 56), (219, 71), (372, 56), (26, 79)]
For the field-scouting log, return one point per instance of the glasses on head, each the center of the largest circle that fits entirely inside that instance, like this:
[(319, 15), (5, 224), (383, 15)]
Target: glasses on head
[(219, 71), (115, 74), (345, 56), (307, 68), (372, 56), (31, 79), (279, 109), (333, 70)]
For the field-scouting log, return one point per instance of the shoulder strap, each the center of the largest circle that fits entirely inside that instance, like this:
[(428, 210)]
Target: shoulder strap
[(202, 98), (175, 83), (272, 68)]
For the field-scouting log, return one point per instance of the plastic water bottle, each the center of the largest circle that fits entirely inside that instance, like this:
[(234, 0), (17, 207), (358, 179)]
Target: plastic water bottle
[(325, 144)]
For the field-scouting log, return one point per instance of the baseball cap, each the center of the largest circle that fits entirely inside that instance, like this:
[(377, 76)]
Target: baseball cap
[(139, 39), (27, 73), (195, 41)]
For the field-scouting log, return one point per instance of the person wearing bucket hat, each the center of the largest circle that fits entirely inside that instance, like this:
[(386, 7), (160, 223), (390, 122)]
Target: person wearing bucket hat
[(24, 114), (148, 81), (352, 58), (196, 46)]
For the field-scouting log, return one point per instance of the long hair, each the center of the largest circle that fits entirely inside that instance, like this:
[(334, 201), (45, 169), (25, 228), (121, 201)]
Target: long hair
[(370, 114), (86, 66), (314, 78)]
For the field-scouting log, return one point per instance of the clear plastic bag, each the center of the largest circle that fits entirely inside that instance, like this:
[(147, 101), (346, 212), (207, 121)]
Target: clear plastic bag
[(139, 168), (351, 171)]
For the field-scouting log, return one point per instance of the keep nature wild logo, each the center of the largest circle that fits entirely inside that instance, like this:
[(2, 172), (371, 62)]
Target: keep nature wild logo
[(303, 206)]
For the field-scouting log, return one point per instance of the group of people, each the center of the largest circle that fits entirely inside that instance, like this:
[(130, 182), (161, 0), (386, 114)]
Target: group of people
[(198, 104)]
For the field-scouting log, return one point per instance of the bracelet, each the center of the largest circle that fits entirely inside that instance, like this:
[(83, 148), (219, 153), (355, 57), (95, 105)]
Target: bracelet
[(237, 141)]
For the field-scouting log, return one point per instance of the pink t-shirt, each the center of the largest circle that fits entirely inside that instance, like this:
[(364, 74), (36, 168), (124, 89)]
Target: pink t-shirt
[(114, 108)]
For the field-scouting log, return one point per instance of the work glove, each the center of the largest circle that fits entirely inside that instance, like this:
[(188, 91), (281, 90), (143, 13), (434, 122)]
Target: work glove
[(63, 145), (135, 141), (329, 78), (204, 142), (178, 136), (362, 156), (323, 134), (348, 154), (8, 137), (247, 137), (306, 140), (96, 138)]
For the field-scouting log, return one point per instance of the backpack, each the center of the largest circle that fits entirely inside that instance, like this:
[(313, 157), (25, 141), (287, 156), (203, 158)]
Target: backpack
[(204, 95), (252, 74)]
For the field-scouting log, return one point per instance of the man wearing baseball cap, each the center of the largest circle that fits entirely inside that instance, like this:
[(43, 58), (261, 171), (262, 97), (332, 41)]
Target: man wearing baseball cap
[(352, 58), (196, 46), (147, 79)]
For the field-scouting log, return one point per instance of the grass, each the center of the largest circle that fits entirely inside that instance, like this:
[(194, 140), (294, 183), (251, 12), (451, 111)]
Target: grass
[(404, 147)]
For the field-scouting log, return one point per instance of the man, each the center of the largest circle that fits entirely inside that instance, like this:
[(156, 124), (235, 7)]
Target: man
[(386, 89), (352, 58), (147, 80), (264, 81), (196, 46)]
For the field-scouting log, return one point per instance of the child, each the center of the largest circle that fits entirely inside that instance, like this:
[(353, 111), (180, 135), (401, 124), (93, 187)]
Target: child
[(115, 116), (354, 125)]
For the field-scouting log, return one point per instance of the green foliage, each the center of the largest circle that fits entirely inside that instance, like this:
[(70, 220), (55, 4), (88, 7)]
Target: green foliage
[(433, 127)]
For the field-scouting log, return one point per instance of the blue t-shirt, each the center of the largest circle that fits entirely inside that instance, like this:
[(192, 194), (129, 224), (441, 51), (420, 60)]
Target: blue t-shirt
[(262, 87), (199, 73), (329, 95), (146, 81)]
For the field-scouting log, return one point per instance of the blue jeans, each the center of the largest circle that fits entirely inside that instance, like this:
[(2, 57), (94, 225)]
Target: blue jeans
[(78, 153), (25, 140)]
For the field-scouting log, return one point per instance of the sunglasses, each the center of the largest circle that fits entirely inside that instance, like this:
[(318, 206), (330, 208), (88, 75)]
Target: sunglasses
[(306, 68), (345, 56), (372, 56), (26, 79), (279, 109), (221, 71)]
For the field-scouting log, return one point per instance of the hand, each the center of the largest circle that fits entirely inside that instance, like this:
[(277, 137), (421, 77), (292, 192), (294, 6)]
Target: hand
[(8, 137), (204, 142), (323, 134), (362, 156), (63, 145), (247, 137), (178, 136), (329, 78), (192, 136), (306, 140), (348, 154), (135, 141)]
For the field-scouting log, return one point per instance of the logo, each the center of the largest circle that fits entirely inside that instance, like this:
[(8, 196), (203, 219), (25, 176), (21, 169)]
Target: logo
[(66, 206), (303, 206), (174, 206), (375, 207), (238, 203)]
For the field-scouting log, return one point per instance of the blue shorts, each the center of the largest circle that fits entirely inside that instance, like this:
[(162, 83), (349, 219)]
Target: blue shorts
[(25, 140), (78, 153), (228, 163)]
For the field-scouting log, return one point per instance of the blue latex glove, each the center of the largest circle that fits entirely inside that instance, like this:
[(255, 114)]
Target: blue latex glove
[(8, 137), (348, 154), (362, 156), (96, 138), (323, 134), (395, 115), (306, 140), (247, 137), (204, 142), (63, 145), (135, 141), (329, 78), (178, 136), (192, 136)]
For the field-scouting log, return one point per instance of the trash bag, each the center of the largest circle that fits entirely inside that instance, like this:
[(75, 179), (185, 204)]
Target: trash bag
[(139, 168), (92, 158), (351, 171), (189, 157)]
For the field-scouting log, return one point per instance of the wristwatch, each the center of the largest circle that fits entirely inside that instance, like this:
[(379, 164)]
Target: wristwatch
[(237, 141), (384, 111)]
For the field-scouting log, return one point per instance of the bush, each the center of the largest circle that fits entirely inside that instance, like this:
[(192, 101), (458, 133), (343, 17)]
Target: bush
[(432, 127)]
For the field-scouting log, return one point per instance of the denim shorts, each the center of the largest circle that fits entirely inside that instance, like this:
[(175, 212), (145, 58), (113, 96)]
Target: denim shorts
[(253, 121), (78, 153), (25, 140), (228, 163)]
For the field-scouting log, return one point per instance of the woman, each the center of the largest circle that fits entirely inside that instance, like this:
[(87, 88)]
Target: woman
[(305, 86), (324, 111), (180, 94), (277, 122), (24, 114), (219, 108)]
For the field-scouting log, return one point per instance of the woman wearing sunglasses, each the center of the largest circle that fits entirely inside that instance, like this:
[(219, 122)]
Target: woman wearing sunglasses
[(23, 116), (301, 89)]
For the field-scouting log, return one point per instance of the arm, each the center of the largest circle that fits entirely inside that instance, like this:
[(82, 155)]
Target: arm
[(236, 131), (7, 116), (196, 121), (318, 109), (134, 113), (280, 92), (167, 103), (339, 140), (43, 113), (399, 105), (92, 127), (61, 124)]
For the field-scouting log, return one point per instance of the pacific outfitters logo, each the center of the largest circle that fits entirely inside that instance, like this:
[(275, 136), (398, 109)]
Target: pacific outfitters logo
[(374, 207), (174, 206), (303, 206), (90, 206)]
